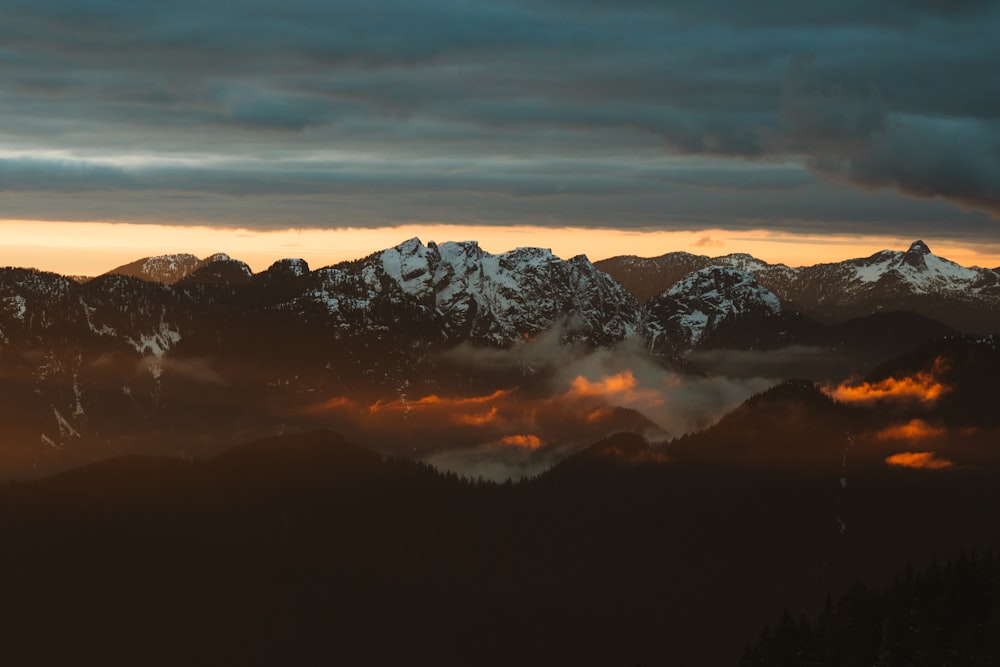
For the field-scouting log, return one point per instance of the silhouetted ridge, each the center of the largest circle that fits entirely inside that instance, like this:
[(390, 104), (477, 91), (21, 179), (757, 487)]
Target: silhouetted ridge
[(792, 425), (218, 270), (618, 448), (797, 391)]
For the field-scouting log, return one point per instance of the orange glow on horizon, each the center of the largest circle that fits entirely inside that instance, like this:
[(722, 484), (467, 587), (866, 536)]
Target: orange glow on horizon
[(915, 429), (923, 387), (91, 248), (922, 460)]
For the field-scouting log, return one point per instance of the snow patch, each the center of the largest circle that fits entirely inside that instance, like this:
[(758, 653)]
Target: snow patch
[(65, 428), (78, 397), (156, 343), (103, 330), (16, 306)]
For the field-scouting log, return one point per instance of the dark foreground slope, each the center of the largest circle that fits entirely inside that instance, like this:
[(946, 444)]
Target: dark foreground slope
[(309, 550), (945, 615)]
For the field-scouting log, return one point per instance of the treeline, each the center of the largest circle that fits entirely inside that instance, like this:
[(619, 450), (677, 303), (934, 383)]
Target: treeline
[(945, 615), (310, 550)]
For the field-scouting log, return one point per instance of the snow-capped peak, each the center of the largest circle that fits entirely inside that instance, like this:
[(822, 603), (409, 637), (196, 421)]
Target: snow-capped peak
[(917, 268), (688, 312)]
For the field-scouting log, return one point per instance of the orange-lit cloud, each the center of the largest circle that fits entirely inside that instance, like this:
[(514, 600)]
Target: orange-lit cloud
[(338, 402), (510, 418), (598, 414), (330, 405), (922, 387), (477, 418), (526, 441), (437, 402), (708, 242), (622, 387), (923, 460), (915, 429)]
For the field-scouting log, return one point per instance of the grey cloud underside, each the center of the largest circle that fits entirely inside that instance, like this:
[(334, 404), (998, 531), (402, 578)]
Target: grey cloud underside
[(538, 108)]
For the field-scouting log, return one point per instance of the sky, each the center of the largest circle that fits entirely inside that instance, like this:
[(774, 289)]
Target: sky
[(798, 131)]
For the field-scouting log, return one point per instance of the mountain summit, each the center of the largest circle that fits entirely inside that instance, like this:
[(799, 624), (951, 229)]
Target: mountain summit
[(167, 269), (701, 303)]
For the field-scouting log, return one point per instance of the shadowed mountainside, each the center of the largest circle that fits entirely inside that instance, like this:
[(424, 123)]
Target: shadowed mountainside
[(310, 550)]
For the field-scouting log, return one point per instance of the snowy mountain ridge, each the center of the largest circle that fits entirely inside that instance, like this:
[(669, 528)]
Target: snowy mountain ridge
[(914, 279), (920, 269), (493, 299)]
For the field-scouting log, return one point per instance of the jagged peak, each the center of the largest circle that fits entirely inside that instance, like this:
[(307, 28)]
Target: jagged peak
[(531, 250), (464, 245), (919, 247), (410, 246)]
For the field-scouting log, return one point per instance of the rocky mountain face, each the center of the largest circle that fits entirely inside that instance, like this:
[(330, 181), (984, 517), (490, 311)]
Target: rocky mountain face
[(485, 298), (702, 303), (916, 280)]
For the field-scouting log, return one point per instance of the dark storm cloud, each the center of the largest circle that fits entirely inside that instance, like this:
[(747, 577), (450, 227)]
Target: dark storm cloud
[(584, 112)]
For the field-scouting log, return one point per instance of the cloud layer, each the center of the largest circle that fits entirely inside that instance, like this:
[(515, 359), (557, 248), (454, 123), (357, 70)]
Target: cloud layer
[(636, 114)]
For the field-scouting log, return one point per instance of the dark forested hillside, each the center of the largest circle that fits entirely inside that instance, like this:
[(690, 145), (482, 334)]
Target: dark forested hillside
[(944, 615), (311, 550)]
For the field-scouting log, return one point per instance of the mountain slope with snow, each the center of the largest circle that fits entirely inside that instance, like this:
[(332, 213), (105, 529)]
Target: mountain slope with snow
[(966, 298), (485, 298), (685, 315)]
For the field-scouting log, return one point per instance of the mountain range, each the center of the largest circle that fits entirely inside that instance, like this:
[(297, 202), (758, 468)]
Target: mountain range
[(916, 280), (175, 348)]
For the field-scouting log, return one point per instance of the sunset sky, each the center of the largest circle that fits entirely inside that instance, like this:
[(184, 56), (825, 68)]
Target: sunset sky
[(326, 129)]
